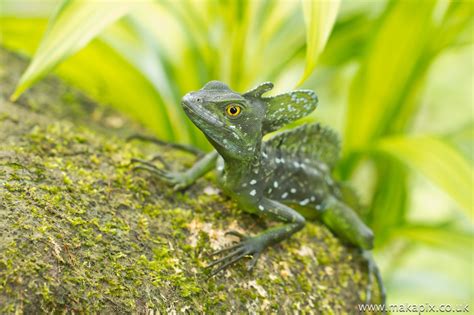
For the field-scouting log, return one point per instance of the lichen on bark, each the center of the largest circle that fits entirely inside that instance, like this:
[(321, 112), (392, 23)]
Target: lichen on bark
[(80, 231)]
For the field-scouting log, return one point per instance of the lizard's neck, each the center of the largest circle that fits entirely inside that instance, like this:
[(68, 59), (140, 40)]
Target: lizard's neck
[(239, 169)]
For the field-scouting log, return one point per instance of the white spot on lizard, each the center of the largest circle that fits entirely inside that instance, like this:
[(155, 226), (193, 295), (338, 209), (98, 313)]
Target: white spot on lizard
[(304, 202)]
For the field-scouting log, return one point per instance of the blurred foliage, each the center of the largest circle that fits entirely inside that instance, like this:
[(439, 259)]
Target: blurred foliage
[(377, 78)]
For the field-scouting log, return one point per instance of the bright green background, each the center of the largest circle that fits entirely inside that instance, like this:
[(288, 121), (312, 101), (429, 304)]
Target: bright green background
[(394, 78)]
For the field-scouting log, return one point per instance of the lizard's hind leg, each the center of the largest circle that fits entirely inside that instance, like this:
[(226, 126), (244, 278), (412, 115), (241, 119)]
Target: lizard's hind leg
[(345, 223)]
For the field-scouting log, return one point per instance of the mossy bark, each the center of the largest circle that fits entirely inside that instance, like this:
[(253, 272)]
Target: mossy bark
[(81, 232)]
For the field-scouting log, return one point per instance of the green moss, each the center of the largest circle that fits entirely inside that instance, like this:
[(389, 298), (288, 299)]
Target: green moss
[(82, 232)]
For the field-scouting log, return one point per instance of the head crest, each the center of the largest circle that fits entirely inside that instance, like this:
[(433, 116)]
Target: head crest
[(286, 108), (215, 85), (260, 90)]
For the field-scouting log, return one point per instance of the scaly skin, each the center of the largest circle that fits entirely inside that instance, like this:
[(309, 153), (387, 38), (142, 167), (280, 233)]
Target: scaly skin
[(275, 178)]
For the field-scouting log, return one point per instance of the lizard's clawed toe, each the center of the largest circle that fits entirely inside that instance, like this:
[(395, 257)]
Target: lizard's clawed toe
[(237, 234), (251, 264), (250, 246), (160, 159), (177, 180), (225, 249), (149, 163), (373, 271)]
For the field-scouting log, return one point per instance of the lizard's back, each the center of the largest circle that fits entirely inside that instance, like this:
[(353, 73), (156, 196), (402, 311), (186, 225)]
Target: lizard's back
[(297, 166)]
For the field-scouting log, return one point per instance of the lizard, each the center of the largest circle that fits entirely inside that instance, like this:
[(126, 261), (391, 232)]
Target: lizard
[(287, 177)]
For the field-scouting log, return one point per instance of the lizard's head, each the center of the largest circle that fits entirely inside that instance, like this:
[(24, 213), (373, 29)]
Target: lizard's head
[(235, 123), (228, 119)]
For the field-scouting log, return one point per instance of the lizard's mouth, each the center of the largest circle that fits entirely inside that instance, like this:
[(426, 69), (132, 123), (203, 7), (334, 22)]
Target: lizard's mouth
[(200, 116), (214, 129)]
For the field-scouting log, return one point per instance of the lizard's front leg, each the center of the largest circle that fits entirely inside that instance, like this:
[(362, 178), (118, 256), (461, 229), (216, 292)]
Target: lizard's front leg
[(181, 180), (176, 146), (254, 245)]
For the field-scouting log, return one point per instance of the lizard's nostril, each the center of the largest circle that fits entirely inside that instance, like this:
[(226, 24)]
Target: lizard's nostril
[(187, 99)]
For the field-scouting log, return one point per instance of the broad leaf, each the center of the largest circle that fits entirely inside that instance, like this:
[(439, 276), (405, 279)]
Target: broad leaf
[(444, 236), (319, 17), (75, 23), (439, 162), (101, 73), (388, 206), (383, 95)]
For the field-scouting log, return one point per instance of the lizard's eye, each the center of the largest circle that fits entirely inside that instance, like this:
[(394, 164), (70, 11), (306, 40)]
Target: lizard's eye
[(233, 110)]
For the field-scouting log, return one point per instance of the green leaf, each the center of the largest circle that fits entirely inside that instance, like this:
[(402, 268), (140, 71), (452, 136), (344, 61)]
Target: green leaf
[(383, 95), (446, 236), (75, 23), (456, 24), (389, 204), (109, 78), (319, 17), (22, 34), (102, 73), (462, 140), (134, 41), (438, 161), (281, 35), (347, 41)]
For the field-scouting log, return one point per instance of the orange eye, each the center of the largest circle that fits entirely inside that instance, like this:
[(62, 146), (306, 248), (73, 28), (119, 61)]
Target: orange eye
[(233, 110)]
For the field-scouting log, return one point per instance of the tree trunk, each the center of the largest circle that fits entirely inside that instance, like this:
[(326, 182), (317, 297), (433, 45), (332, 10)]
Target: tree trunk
[(80, 231)]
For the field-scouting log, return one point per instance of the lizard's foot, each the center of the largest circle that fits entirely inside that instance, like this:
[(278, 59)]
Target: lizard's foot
[(373, 272), (248, 246), (177, 180), (149, 163), (177, 146), (159, 158)]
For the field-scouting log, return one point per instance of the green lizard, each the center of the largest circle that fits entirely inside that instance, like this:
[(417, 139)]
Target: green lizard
[(282, 178)]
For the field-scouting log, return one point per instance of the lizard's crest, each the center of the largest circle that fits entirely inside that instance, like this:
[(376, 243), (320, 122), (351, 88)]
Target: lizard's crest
[(235, 123), (283, 109)]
